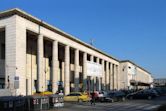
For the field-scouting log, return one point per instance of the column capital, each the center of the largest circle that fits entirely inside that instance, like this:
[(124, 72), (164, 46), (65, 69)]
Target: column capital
[(40, 35), (103, 61), (98, 59), (91, 58)]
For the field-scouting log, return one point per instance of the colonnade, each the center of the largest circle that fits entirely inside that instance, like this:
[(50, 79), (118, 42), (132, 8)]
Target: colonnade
[(108, 81)]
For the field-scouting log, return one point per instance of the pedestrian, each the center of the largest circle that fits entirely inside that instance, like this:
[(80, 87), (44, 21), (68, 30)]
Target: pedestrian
[(61, 93), (93, 98)]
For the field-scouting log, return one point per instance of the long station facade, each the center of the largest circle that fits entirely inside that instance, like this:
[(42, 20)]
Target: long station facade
[(37, 57)]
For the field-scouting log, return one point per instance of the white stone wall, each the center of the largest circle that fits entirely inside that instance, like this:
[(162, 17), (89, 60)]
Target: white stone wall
[(124, 76), (21, 54), (142, 76), (10, 43), (129, 71)]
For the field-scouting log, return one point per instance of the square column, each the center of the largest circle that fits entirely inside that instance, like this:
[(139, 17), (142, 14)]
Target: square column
[(98, 84), (117, 77), (103, 77), (107, 76), (76, 78), (55, 66), (40, 69), (114, 76), (111, 77), (91, 78), (67, 71), (84, 72)]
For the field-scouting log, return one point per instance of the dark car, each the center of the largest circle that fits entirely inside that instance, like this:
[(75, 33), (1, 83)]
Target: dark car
[(161, 90), (151, 91), (142, 95), (100, 96), (117, 96), (104, 97)]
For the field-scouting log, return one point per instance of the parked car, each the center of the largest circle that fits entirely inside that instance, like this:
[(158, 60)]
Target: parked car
[(160, 90), (116, 96), (151, 91), (45, 93), (76, 97), (142, 95), (103, 97)]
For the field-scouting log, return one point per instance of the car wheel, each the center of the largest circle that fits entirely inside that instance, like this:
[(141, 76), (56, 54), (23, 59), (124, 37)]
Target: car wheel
[(80, 100), (131, 98), (149, 97), (123, 98)]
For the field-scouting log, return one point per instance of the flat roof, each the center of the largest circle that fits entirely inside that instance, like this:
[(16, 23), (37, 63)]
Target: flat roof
[(17, 11), (135, 65)]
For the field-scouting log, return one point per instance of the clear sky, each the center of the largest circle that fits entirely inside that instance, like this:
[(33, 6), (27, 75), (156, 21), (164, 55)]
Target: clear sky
[(125, 29)]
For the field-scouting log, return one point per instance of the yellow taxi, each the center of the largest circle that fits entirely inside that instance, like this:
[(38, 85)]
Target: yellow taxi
[(45, 93), (76, 97)]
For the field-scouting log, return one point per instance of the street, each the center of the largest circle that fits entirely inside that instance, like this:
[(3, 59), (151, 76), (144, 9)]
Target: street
[(129, 105)]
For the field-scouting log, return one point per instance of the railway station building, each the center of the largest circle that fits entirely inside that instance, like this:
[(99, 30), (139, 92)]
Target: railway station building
[(37, 57)]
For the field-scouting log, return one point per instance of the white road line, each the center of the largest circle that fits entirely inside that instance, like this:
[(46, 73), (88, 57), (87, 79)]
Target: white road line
[(151, 107)]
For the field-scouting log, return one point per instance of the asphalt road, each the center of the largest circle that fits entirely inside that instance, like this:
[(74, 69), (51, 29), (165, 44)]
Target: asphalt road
[(130, 105)]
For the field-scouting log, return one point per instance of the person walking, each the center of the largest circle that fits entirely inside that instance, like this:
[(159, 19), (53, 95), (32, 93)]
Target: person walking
[(93, 98)]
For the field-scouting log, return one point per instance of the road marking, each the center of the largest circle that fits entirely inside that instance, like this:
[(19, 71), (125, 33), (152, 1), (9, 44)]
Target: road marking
[(151, 107)]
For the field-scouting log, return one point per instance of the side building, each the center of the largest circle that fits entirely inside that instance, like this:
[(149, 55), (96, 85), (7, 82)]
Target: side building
[(37, 57), (134, 76), (160, 82)]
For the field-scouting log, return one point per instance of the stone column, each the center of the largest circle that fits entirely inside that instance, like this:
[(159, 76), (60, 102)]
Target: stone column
[(55, 66), (76, 78), (98, 85), (117, 77), (107, 76), (84, 71), (111, 76), (114, 76), (67, 70), (103, 77), (40, 54), (63, 73), (91, 78)]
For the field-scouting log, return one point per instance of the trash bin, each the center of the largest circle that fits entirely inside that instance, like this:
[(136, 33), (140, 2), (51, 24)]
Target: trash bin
[(53, 101), (33, 103), (7, 103), (56, 101), (61, 101), (44, 102), (19, 103)]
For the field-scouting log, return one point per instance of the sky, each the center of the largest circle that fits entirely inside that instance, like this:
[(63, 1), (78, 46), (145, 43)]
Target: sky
[(125, 29)]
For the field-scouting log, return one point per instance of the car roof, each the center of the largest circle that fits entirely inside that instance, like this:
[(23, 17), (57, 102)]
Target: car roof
[(75, 93)]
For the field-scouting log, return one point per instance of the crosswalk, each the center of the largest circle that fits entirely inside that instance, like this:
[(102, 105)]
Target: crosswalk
[(117, 106), (132, 107)]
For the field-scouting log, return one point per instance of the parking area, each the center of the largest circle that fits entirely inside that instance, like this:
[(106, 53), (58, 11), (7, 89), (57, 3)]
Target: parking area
[(128, 105)]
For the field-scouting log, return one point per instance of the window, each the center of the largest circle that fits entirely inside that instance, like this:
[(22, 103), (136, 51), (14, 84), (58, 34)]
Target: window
[(2, 51), (77, 94)]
